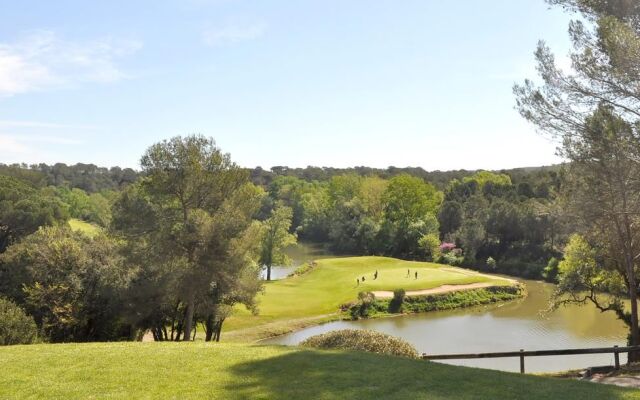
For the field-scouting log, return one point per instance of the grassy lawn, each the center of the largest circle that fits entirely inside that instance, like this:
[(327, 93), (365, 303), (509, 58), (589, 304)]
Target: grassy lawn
[(85, 227), (314, 296), (232, 371)]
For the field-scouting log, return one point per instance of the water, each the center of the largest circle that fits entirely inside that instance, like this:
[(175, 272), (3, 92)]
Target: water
[(299, 253), (510, 326)]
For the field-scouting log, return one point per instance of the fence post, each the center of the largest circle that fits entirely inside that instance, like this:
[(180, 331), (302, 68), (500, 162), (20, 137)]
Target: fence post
[(616, 356), (521, 361)]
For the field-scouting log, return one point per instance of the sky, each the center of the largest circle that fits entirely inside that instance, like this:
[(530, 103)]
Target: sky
[(421, 83)]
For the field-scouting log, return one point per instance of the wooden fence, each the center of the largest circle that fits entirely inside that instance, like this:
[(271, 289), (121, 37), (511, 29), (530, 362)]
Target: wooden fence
[(536, 353)]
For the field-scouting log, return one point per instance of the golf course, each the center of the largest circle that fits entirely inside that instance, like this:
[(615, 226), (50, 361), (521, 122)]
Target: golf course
[(316, 293)]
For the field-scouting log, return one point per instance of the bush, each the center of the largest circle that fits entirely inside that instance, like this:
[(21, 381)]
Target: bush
[(362, 308), (395, 306), (491, 263), (550, 272), (361, 340), (451, 259), (16, 327)]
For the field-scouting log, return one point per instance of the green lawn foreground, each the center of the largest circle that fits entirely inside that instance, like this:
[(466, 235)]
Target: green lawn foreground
[(315, 296), (200, 370)]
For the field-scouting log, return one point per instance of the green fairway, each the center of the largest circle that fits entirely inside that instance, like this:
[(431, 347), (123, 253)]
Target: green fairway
[(84, 227), (231, 371), (311, 297)]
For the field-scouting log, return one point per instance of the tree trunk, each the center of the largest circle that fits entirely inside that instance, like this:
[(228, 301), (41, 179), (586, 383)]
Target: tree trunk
[(633, 297), (188, 318), (268, 272), (208, 328), (218, 329)]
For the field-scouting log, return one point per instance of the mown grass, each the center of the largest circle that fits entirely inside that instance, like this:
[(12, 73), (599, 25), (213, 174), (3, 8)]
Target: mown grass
[(227, 371), (332, 282), (84, 227)]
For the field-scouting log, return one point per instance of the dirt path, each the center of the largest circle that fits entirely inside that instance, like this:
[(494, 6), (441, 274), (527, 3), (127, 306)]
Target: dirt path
[(387, 294)]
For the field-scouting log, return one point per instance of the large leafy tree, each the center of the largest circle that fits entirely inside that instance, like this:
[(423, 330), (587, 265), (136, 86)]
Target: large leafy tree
[(275, 238), (186, 221), (411, 205), (594, 109)]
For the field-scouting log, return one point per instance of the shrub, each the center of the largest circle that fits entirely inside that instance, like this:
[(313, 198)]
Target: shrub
[(362, 309), (362, 340), (446, 247), (452, 259), (16, 327), (395, 305), (550, 272), (491, 263)]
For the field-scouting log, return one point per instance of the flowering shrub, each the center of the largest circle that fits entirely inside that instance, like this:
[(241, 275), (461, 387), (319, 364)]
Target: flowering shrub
[(446, 247)]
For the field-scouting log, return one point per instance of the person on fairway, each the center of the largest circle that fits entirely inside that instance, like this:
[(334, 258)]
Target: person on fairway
[(416, 274)]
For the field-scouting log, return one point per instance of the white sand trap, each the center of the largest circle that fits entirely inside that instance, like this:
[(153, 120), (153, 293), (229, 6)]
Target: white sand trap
[(387, 294)]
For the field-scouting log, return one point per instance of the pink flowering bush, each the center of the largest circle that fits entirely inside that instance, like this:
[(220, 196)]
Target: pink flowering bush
[(446, 247)]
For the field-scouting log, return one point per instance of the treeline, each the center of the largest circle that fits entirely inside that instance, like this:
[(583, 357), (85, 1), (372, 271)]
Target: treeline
[(440, 179), (511, 218), (87, 177)]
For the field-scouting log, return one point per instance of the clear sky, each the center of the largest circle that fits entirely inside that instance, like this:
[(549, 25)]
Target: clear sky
[(328, 83)]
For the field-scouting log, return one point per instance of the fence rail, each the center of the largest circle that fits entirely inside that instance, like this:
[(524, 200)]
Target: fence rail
[(536, 353)]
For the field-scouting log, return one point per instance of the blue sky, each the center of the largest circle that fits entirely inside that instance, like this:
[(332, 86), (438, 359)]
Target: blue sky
[(327, 83)]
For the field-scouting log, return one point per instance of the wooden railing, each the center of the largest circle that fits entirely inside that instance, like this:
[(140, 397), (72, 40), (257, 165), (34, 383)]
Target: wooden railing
[(536, 353)]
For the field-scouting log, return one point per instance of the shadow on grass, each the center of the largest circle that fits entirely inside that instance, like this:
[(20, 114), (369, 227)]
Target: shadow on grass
[(309, 374)]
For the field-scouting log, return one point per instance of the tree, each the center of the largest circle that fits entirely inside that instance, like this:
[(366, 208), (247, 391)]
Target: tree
[(582, 278), (185, 222), (276, 238), (23, 209), (16, 327), (410, 213), (595, 110), (70, 283), (450, 217)]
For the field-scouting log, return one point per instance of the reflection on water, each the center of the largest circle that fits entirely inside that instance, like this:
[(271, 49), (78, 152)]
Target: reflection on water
[(511, 326)]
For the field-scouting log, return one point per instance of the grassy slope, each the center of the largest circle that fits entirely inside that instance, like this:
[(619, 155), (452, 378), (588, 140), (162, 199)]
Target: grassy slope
[(319, 292), (85, 227), (227, 371)]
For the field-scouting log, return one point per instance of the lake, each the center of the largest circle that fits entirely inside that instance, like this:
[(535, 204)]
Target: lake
[(520, 324)]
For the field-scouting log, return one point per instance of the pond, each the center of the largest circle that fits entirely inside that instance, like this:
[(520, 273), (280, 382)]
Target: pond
[(520, 324)]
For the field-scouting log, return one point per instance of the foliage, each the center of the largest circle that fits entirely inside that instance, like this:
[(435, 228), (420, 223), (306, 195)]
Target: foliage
[(550, 272), (581, 279), (189, 228), (459, 299), (395, 305), (16, 327), (72, 284), (23, 209), (593, 109), (275, 238), (88, 177), (362, 340), (491, 263), (362, 309)]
